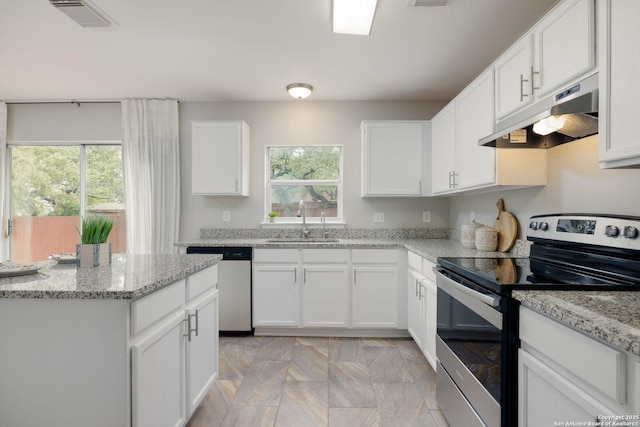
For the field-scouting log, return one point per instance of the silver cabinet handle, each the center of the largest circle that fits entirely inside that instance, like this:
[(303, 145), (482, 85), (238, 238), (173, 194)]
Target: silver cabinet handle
[(420, 295), (304, 275), (197, 322), (189, 328), (533, 86), (522, 81), (417, 291), (295, 275), (355, 276)]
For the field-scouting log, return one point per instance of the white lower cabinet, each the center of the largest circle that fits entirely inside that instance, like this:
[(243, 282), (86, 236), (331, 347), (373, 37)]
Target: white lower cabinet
[(325, 296), (174, 360), (375, 296), (202, 349), (564, 375), (275, 295), (421, 309), (331, 289), (158, 376)]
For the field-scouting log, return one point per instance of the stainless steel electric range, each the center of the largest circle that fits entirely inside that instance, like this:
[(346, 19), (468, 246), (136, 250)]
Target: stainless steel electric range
[(477, 333)]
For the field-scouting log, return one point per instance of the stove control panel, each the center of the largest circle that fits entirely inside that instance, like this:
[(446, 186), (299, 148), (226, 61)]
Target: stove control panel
[(612, 231)]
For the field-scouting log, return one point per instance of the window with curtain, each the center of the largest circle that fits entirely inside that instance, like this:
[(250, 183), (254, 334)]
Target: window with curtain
[(312, 174), (53, 187)]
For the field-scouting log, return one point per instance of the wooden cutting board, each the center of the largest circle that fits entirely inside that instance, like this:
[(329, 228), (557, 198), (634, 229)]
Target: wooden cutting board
[(507, 227)]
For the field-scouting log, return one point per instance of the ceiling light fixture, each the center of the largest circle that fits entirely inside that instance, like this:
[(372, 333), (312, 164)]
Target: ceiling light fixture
[(299, 90), (353, 16)]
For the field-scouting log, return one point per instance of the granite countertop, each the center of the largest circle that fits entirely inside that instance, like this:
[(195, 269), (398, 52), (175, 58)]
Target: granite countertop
[(430, 249), (613, 316), (129, 277)]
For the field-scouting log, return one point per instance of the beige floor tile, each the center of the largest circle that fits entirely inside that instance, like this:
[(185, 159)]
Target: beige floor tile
[(304, 404), (250, 416), (354, 417), (350, 386)]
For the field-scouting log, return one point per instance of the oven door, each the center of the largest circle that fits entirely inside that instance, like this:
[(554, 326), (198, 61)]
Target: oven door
[(469, 351)]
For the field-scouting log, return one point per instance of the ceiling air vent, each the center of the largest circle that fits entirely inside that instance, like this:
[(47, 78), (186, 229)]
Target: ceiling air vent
[(412, 3), (84, 13)]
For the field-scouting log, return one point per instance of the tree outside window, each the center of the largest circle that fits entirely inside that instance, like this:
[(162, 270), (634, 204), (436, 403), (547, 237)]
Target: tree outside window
[(309, 173)]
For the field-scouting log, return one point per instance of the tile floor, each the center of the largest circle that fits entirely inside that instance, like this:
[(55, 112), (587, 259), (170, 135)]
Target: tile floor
[(334, 382)]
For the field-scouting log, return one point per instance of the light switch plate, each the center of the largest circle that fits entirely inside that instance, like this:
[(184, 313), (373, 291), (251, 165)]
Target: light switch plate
[(226, 216), (378, 217), (426, 216)]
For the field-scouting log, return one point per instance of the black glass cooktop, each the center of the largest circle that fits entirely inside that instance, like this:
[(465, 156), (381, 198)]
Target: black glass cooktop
[(502, 275)]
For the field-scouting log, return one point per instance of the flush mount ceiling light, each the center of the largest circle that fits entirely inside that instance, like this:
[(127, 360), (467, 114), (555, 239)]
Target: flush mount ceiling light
[(299, 90), (353, 16)]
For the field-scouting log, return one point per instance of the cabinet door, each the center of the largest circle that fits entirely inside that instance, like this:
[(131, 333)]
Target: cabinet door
[(619, 140), (429, 310), (443, 150), (219, 161), (571, 24), (475, 119), (545, 397), (392, 158), (202, 349), (325, 296), (375, 297), (513, 77), (157, 376), (415, 324), (275, 296)]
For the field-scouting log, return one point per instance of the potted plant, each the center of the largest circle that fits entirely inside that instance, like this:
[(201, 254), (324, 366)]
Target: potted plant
[(272, 216), (93, 250)]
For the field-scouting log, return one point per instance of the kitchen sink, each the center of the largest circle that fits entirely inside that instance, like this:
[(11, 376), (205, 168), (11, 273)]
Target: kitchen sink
[(301, 240)]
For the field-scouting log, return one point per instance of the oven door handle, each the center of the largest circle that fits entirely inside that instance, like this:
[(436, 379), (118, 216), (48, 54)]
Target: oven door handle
[(487, 299)]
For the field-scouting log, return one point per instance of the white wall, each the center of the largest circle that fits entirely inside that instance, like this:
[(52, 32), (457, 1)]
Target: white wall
[(575, 184), (302, 123)]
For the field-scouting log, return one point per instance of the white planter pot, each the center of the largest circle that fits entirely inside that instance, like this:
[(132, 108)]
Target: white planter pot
[(93, 255)]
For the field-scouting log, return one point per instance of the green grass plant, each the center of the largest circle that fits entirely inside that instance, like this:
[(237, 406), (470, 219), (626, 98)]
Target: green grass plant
[(95, 230)]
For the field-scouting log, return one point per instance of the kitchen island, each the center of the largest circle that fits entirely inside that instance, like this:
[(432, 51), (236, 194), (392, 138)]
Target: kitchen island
[(134, 343)]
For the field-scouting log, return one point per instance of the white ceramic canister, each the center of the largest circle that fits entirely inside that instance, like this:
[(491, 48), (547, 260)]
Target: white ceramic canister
[(468, 236), (486, 239)]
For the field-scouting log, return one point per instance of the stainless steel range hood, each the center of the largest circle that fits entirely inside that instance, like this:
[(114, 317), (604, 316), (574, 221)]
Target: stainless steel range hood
[(576, 106)]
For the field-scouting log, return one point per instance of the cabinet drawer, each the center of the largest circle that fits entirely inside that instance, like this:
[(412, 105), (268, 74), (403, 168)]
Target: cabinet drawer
[(150, 309), (596, 363), (325, 255), (276, 255), (202, 281), (427, 269), (414, 260), (375, 256)]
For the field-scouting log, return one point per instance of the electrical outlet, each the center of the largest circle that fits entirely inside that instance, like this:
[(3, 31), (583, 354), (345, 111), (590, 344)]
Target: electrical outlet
[(426, 216), (226, 216), (378, 217)]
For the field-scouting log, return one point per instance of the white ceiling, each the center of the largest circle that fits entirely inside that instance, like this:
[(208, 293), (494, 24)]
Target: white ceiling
[(249, 50)]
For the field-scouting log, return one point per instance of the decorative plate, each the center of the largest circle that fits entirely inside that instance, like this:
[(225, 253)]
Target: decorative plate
[(64, 258), (10, 268)]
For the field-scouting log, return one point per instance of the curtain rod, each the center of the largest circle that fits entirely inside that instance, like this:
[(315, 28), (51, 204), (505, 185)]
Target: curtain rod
[(73, 101)]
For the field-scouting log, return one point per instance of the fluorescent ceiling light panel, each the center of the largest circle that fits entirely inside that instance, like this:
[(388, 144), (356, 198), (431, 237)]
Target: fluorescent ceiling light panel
[(353, 16)]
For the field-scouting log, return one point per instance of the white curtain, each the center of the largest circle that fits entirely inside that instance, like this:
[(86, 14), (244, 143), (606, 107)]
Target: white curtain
[(152, 174), (3, 177)]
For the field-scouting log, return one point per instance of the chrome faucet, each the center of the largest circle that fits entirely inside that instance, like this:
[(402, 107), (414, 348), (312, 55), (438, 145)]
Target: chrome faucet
[(302, 212)]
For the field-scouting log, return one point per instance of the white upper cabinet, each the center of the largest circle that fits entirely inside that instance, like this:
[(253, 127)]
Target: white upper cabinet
[(513, 77), (460, 164), (619, 83), (475, 119), (565, 46), (444, 150), (394, 158), (220, 158), (558, 50)]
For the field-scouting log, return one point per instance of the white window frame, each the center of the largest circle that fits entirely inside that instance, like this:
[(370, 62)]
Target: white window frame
[(337, 182), (9, 165)]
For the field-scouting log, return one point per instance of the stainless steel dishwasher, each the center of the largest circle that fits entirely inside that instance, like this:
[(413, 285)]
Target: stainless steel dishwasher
[(234, 287)]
